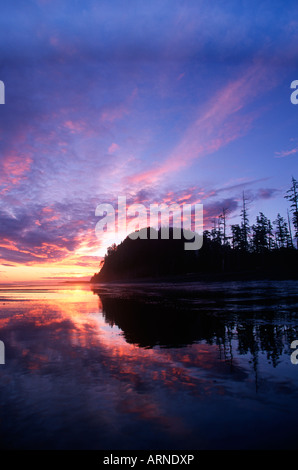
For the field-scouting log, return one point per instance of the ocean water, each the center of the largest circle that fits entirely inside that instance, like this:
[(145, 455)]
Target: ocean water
[(149, 366)]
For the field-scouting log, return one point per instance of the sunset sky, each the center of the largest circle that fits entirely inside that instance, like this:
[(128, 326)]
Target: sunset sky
[(158, 100)]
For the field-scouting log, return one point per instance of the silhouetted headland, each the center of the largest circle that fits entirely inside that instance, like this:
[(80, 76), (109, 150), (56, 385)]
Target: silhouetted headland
[(143, 260)]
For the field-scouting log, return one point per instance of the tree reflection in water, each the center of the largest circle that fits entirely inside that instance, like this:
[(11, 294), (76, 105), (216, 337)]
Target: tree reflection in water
[(242, 320)]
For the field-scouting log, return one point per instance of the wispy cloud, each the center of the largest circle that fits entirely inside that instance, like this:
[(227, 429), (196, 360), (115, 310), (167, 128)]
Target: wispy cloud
[(286, 153), (217, 124)]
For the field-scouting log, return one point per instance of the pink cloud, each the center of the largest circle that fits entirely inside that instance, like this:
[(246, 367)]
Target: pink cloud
[(14, 166), (217, 124), (73, 126), (286, 153), (113, 147)]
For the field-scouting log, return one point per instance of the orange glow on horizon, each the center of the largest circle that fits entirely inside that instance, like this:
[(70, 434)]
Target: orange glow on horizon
[(68, 269)]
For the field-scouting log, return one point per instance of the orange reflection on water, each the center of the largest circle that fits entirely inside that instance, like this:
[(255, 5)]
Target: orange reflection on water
[(67, 330)]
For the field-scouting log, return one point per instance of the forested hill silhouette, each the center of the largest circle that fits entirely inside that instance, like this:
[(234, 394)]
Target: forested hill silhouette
[(149, 258), (264, 249)]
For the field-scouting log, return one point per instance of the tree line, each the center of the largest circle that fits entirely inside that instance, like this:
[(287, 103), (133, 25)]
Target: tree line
[(264, 248), (264, 234)]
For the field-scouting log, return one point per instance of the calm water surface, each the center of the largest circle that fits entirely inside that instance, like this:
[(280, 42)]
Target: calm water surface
[(199, 366)]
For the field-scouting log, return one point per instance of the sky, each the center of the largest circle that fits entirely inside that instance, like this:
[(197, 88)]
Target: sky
[(160, 101)]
